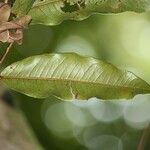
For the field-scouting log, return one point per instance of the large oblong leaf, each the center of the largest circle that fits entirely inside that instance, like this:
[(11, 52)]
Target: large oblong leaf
[(71, 76), (52, 12)]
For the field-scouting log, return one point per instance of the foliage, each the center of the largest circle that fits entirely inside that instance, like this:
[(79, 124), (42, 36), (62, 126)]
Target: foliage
[(50, 12), (121, 39), (70, 76), (81, 77)]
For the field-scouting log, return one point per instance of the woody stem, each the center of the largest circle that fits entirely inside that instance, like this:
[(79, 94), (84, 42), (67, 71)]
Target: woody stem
[(7, 51), (144, 138)]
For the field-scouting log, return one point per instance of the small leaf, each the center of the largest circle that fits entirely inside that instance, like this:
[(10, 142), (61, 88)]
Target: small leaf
[(22, 7), (12, 31), (71, 76), (4, 12), (52, 12)]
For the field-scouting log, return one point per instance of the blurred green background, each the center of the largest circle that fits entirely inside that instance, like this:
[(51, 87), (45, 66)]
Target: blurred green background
[(123, 40)]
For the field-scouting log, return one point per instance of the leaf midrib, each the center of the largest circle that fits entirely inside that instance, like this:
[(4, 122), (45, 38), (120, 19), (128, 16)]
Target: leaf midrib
[(71, 80)]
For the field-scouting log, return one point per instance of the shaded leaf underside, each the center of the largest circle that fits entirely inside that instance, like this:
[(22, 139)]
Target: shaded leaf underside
[(70, 76), (52, 12)]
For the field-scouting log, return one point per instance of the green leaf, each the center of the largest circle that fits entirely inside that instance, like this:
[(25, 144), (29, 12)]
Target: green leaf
[(22, 7), (71, 76), (52, 12)]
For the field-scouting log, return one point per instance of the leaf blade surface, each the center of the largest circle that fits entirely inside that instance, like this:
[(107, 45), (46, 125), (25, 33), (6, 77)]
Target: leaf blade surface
[(53, 12), (71, 76)]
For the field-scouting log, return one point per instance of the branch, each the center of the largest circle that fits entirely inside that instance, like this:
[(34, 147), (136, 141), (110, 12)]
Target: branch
[(6, 52), (14, 130), (144, 138)]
